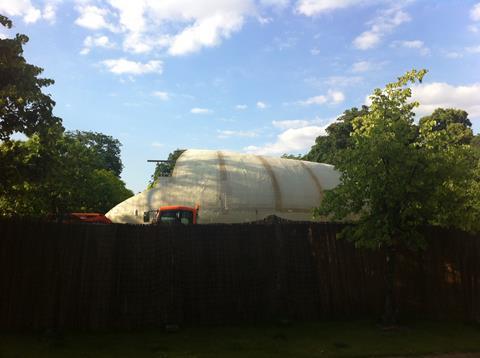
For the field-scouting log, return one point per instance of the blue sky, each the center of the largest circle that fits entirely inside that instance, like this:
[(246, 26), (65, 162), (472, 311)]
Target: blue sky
[(260, 76)]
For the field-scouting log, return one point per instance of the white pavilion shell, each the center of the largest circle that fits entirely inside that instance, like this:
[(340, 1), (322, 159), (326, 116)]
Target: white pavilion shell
[(231, 187)]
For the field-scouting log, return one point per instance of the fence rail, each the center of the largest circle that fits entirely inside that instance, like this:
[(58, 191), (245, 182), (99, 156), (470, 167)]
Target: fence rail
[(82, 276)]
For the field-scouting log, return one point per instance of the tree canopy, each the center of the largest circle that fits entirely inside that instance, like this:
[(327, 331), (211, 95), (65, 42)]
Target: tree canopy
[(397, 176), (327, 147), (105, 147), (23, 106), (66, 176), (165, 169), (455, 121), (52, 171)]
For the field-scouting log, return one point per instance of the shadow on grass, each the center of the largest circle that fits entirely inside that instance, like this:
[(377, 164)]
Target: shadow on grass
[(314, 339)]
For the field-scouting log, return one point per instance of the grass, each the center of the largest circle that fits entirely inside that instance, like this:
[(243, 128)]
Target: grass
[(320, 339)]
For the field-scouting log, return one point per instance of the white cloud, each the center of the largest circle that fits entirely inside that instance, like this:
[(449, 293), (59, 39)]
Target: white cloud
[(292, 140), (315, 51), (382, 25), (317, 7), (163, 96), (333, 81), (224, 134), (474, 28), (413, 44), (475, 12), (124, 66), (473, 49), (453, 55), (93, 17), (343, 81), (275, 3), (366, 40), (241, 107), (313, 100), (441, 94), (157, 145), (336, 96), (197, 110), (95, 41), (291, 123), (178, 26), (206, 32), (297, 136), (362, 66), (49, 12), (332, 97), (23, 8), (261, 105)]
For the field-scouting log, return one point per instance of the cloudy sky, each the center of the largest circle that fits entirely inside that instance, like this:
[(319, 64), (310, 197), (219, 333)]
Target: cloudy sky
[(260, 76)]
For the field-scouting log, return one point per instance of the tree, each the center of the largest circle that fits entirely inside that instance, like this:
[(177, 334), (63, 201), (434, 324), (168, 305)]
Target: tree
[(23, 106), (326, 147), (106, 148), (165, 169), (396, 177), (51, 171), (106, 191), (292, 156), (475, 144), (452, 120), (60, 178)]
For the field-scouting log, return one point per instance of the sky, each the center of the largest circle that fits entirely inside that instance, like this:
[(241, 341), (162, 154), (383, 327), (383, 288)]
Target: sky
[(253, 76)]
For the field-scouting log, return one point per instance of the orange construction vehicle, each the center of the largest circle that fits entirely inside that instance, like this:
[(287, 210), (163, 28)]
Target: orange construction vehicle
[(174, 214)]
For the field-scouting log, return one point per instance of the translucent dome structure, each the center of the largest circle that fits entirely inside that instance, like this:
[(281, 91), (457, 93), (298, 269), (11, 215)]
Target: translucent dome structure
[(232, 187)]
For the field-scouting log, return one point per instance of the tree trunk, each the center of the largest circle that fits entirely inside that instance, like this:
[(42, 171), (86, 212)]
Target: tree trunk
[(390, 308)]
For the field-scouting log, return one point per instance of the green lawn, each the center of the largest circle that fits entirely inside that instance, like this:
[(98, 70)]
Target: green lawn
[(321, 339)]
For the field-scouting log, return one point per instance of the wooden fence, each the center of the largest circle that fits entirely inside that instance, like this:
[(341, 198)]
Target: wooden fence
[(84, 276)]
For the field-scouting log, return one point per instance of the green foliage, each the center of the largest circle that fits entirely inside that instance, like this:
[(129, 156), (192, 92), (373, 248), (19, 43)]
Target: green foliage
[(292, 156), (454, 121), (107, 191), (165, 169), (327, 148), (397, 176), (52, 171), (106, 148), (63, 177), (23, 106), (475, 144)]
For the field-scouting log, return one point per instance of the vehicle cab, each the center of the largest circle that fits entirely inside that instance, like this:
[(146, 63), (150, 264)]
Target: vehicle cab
[(174, 214)]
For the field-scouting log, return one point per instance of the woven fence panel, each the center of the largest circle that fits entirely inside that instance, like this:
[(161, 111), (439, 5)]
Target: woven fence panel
[(96, 277)]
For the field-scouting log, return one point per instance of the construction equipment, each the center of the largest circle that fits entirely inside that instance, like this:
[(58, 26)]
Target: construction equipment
[(173, 214)]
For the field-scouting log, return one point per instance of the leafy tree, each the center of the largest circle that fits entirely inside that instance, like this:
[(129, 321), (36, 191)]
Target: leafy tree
[(327, 147), (475, 144), (452, 120), (62, 178), (23, 106), (52, 171), (165, 169), (106, 148), (396, 177), (292, 156), (107, 190)]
